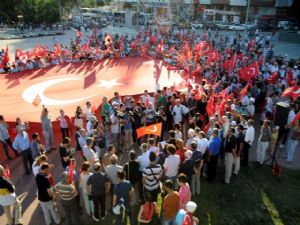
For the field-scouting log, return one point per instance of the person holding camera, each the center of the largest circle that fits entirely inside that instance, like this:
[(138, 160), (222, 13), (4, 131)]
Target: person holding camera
[(97, 187)]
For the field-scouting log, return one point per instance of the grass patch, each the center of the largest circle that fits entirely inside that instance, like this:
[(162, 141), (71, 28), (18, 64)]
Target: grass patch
[(253, 197)]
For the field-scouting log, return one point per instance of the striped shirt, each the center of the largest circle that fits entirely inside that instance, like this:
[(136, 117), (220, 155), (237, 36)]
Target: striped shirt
[(151, 175), (66, 191)]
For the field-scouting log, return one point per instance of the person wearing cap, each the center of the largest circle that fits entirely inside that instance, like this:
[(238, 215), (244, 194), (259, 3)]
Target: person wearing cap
[(68, 193), (97, 187), (230, 153), (22, 145), (45, 195), (214, 149), (248, 141), (5, 139)]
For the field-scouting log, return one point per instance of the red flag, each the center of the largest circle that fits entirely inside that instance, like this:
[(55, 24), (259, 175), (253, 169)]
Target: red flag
[(71, 172), (79, 34), (210, 105), (22, 55), (154, 129), (160, 47), (187, 50), (244, 91), (223, 104), (213, 57), (249, 72), (69, 122), (36, 101), (272, 79), (7, 172), (293, 92), (5, 58)]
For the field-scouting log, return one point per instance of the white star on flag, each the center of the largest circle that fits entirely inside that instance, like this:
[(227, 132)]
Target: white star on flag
[(108, 84)]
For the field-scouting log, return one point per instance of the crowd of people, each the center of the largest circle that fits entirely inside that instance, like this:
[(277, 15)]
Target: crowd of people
[(211, 125)]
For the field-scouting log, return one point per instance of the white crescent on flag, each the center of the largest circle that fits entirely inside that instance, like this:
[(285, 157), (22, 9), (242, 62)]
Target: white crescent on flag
[(153, 130)]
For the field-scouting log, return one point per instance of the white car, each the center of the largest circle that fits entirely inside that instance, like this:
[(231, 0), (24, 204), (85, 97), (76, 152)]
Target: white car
[(196, 26), (236, 27), (221, 25)]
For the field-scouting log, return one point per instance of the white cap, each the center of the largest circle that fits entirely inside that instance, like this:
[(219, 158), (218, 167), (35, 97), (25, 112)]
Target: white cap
[(252, 99), (233, 123), (191, 207)]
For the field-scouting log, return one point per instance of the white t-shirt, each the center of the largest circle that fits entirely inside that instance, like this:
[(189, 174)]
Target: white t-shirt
[(89, 154), (153, 149), (171, 165), (143, 160), (178, 111), (83, 181), (88, 113), (115, 129), (202, 145)]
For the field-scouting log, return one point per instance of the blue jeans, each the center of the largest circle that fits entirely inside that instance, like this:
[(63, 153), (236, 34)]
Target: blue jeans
[(168, 221), (292, 144)]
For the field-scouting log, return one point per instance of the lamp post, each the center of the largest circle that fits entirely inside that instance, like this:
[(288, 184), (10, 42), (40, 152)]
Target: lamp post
[(247, 12)]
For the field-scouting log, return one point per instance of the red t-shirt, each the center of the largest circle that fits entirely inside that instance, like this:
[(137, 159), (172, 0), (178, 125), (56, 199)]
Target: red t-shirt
[(181, 154), (188, 219)]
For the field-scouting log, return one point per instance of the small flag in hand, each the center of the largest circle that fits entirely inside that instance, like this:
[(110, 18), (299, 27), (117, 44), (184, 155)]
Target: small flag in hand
[(71, 173), (7, 172), (36, 101)]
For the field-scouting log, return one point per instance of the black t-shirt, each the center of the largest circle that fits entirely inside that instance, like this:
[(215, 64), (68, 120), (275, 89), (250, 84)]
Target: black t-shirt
[(43, 184), (97, 182), (239, 140), (187, 168), (64, 152), (132, 173), (230, 143), (5, 184)]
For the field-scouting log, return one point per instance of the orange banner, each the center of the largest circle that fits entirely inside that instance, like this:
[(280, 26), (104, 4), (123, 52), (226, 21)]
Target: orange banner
[(154, 129)]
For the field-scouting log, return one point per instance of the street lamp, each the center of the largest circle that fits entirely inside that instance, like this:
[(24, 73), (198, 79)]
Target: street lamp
[(247, 12)]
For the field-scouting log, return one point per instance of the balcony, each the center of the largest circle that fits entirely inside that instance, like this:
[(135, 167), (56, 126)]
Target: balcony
[(263, 3), (220, 2), (205, 2), (238, 2)]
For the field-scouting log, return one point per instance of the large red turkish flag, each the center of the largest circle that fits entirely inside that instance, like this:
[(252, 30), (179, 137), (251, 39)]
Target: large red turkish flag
[(293, 92)]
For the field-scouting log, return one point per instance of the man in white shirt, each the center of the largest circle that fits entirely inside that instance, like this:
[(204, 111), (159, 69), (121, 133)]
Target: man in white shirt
[(83, 136), (143, 159), (248, 141), (202, 143), (145, 97), (88, 152), (88, 111), (172, 163), (179, 111)]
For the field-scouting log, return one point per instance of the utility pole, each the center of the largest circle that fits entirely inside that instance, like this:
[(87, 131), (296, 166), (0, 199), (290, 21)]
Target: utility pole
[(247, 12)]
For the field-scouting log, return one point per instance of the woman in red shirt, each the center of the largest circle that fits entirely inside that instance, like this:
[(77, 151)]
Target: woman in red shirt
[(180, 149)]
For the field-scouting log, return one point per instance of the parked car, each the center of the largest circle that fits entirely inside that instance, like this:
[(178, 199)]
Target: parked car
[(196, 25), (236, 27), (221, 25)]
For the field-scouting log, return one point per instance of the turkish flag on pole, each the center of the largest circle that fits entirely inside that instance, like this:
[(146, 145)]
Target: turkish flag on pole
[(7, 172), (36, 101), (249, 72), (244, 91), (5, 58), (71, 173), (210, 105), (293, 92), (154, 129)]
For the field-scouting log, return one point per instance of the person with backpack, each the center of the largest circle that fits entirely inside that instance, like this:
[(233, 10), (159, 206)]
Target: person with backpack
[(148, 213)]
